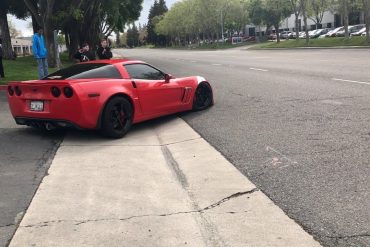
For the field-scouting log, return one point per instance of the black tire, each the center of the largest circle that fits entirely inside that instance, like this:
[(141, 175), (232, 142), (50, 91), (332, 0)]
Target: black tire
[(203, 97), (117, 117)]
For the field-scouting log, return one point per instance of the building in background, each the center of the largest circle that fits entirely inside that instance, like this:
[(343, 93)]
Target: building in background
[(22, 46)]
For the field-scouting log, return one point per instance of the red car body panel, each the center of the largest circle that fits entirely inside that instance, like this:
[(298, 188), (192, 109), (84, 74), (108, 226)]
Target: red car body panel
[(150, 99)]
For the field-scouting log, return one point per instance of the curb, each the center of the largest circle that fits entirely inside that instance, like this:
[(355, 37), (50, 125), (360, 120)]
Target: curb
[(2, 87), (316, 48)]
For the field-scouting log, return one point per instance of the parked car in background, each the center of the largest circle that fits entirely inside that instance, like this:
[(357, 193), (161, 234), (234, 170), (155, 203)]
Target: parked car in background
[(333, 32), (319, 32), (359, 33), (351, 29), (272, 36), (285, 34)]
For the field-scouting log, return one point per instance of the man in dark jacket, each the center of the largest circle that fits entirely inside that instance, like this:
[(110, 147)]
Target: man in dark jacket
[(84, 54), (1, 61), (104, 51)]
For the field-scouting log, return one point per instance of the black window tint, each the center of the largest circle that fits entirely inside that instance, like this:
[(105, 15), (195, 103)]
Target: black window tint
[(143, 71), (86, 71)]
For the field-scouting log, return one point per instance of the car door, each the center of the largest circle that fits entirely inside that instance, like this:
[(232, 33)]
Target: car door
[(156, 95)]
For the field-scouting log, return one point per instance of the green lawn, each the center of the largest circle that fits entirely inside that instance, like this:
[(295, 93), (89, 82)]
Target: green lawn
[(326, 42), (25, 68)]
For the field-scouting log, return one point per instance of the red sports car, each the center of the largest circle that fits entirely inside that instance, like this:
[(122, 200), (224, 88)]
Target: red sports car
[(108, 95)]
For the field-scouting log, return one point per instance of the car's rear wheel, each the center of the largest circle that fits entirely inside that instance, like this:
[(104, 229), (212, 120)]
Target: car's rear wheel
[(203, 97), (117, 117)]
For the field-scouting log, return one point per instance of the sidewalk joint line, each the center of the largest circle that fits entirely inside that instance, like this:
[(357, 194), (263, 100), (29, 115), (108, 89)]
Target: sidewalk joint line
[(200, 211), (188, 140)]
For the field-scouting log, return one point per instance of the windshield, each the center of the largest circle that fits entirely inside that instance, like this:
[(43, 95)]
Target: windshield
[(86, 71)]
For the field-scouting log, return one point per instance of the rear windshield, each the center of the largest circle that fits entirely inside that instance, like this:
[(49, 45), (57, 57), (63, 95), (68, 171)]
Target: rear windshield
[(86, 71)]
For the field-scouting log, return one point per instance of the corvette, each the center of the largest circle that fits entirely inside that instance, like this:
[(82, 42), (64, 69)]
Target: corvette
[(106, 95)]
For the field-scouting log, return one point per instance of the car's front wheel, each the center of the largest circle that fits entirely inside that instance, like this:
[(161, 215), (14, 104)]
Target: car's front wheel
[(203, 97), (117, 117)]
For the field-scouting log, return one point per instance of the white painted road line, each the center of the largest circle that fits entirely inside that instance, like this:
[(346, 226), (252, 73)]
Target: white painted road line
[(359, 82), (217, 64), (263, 70)]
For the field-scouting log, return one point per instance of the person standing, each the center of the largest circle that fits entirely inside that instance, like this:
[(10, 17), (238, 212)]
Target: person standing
[(84, 54), (104, 51), (40, 52), (2, 75)]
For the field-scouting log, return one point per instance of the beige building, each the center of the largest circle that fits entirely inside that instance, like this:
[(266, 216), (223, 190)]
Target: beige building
[(22, 46)]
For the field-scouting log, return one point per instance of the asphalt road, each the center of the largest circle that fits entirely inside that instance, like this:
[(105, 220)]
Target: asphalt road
[(25, 156), (297, 123)]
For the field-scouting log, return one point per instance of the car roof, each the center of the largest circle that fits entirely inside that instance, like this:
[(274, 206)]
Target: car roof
[(115, 61)]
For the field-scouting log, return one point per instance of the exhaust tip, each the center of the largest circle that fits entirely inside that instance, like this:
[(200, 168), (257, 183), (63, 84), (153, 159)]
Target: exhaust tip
[(49, 126)]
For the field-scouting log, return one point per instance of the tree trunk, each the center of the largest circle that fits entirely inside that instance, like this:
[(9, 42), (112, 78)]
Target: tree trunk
[(277, 33), (74, 42), (5, 36), (296, 26), (260, 33), (118, 39), (304, 12), (366, 17), (306, 28), (345, 16), (50, 44)]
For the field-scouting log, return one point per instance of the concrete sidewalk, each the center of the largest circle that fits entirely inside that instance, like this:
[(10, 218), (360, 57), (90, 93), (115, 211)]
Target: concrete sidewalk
[(161, 185)]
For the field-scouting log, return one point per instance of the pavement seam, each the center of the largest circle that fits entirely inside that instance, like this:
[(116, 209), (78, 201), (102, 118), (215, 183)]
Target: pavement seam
[(133, 145), (200, 211)]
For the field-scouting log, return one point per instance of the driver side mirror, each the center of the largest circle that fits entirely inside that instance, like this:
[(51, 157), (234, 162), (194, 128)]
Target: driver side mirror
[(168, 77)]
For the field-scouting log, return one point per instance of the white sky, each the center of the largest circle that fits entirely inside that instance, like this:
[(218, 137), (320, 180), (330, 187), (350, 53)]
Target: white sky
[(22, 25)]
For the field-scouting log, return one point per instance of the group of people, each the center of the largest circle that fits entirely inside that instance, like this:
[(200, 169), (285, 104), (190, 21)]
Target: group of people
[(82, 55)]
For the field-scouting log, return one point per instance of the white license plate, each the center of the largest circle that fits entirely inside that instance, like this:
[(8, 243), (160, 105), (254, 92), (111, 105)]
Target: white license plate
[(37, 105)]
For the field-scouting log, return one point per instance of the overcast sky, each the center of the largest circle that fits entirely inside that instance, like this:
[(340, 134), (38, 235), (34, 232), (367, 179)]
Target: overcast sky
[(26, 31)]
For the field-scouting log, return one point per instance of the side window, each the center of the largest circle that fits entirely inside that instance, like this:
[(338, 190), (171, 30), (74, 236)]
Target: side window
[(143, 71)]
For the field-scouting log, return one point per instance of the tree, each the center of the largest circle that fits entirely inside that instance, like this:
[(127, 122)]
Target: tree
[(133, 36), (304, 4), (256, 13), (366, 9), (14, 33), (9, 7), (317, 10), (275, 12), (158, 9), (82, 20), (296, 8)]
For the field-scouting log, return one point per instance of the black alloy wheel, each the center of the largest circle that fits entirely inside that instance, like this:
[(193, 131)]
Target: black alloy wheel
[(203, 97), (117, 117)]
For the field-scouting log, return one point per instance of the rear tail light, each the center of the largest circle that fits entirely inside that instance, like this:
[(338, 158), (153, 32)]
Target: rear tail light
[(10, 90), (18, 91), (68, 92), (55, 92)]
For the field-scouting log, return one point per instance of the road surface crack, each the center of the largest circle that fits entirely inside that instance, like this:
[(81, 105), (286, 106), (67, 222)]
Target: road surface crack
[(214, 205), (7, 225), (362, 235)]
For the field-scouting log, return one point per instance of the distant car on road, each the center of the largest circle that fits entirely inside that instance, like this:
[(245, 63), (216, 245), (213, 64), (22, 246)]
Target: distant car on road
[(108, 95)]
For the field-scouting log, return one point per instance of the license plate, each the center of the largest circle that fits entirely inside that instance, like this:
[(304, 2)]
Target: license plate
[(37, 105)]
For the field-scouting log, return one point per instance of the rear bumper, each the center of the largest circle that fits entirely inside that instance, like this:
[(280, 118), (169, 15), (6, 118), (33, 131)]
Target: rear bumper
[(45, 123)]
